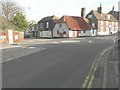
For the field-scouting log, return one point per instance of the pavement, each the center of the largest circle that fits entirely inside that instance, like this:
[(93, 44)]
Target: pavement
[(111, 68), (26, 42)]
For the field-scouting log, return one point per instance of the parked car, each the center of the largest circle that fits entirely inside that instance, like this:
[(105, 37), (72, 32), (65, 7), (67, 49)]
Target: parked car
[(26, 35)]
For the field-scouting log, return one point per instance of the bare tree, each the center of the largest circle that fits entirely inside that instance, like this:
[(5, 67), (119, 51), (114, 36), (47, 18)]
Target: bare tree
[(8, 10)]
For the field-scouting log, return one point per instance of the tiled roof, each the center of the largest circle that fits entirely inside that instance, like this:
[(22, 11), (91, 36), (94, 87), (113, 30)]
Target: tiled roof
[(103, 16), (75, 23), (49, 18), (115, 14)]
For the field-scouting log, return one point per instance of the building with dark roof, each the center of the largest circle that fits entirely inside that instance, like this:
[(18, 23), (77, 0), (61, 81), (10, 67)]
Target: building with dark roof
[(46, 25), (114, 13)]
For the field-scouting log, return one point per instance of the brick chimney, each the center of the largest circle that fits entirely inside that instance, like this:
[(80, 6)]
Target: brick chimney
[(83, 12), (99, 9)]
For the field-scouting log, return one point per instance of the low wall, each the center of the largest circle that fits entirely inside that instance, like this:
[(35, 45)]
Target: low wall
[(11, 37)]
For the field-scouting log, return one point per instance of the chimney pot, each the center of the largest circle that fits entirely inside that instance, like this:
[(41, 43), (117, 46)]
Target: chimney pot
[(99, 9), (83, 12)]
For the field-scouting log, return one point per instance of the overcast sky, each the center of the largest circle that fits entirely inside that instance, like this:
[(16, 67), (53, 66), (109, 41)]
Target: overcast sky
[(37, 9)]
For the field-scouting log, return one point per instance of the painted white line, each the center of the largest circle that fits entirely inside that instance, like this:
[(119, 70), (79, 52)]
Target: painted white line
[(31, 47), (90, 83), (69, 41), (90, 41), (16, 46), (93, 69), (55, 42)]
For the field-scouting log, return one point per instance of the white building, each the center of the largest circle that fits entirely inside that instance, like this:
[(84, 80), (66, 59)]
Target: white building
[(71, 26)]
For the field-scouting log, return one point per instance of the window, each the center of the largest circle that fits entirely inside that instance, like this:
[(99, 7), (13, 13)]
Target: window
[(107, 23), (64, 32), (93, 24), (109, 17), (89, 16), (101, 29), (112, 23), (57, 31), (93, 31), (47, 24), (101, 22), (84, 31), (41, 25), (116, 24)]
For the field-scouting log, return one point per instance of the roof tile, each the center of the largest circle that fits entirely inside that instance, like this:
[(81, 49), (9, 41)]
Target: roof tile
[(76, 23)]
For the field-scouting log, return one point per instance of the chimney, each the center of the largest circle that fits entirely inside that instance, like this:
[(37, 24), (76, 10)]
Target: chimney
[(113, 8), (83, 12), (99, 9)]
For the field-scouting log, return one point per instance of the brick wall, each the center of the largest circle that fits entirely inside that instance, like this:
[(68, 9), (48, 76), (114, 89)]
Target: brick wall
[(16, 37)]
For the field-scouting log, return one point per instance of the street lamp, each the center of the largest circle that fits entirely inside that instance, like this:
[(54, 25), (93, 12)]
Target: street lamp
[(0, 17), (109, 26), (93, 25)]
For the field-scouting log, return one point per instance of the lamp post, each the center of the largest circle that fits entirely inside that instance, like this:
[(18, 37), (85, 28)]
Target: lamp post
[(93, 25), (0, 17), (109, 26)]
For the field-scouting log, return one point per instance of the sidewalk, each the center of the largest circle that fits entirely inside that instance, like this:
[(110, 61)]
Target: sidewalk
[(26, 42), (111, 70)]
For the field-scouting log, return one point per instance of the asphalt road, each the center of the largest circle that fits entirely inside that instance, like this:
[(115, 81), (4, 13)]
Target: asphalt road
[(63, 65)]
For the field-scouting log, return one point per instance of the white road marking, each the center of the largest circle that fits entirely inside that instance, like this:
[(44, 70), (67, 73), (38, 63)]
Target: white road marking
[(16, 46), (10, 59), (70, 41), (90, 41), (31, 47), (93, 69), (55, 42)]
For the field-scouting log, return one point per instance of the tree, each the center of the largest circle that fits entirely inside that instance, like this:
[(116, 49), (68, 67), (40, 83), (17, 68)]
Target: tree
[(19, 22), (8, 10)]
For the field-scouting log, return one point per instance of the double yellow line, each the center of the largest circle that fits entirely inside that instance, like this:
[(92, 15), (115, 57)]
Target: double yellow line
[(90, 77)]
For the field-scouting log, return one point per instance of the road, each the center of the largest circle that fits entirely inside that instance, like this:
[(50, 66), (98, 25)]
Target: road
[(56, 65)]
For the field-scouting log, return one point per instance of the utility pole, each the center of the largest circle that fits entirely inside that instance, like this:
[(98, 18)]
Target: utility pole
[(119, 16), (0, 16)]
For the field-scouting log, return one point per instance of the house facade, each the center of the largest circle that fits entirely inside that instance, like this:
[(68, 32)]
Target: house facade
[(104, 24), (116, 15), (71, 26), (34, 29), (45, 26)]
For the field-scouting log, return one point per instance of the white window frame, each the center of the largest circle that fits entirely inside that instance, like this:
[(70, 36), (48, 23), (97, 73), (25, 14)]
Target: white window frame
[(41, 25), (101, 22), (47, 24), (101, 29), (89, 16), (116, 24), (107, 23), (112, 23)]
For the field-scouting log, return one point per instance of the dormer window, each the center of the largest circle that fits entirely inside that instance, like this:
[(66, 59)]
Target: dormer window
[(89, 16)]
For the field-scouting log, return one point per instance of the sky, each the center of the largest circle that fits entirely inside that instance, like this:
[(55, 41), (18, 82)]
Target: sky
[(37, 9)]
